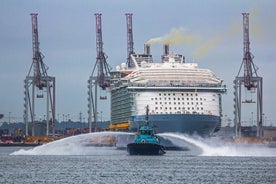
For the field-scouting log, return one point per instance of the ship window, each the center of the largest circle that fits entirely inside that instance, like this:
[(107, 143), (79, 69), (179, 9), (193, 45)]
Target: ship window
[(196, 98), (173, 94), (192, 99), (188, 108), (156, 103), (193, 108), (213, 99), (156, 108), (200, 98), (170, 108), (183, 103), (169, 94), (165, 98), (160, 102), (173, 98), (160, 98), (174, 108), (182, 94), (179, 108), (188, 103), (196, 94), (201, 103), (178, 98), (164, 94), (196, 103), (182, 98), (155, 98), (151, 98), (191, 94), (178, 103), (187, 98), (159, 94), (165, 102), (160, 107), (192, 103), (174, 103), (187, 94), (169, 98), (169, 102), (197, 108), (166, 108), (201, 108)]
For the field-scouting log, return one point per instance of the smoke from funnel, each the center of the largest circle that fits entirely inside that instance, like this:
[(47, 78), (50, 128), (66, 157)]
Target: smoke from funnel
[(206, 47), (176, 36)]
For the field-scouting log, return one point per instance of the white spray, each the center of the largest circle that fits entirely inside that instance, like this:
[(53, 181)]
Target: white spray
[(216, 147), (83, 144)]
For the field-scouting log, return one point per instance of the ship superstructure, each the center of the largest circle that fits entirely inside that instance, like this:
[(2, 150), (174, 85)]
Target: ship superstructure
[(181, 96)]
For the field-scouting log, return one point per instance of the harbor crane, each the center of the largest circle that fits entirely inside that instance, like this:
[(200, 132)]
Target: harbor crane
[(250, 81), (36, 84), (101, 78)]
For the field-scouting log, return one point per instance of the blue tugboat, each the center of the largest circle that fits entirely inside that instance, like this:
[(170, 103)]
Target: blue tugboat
[(146, 142)]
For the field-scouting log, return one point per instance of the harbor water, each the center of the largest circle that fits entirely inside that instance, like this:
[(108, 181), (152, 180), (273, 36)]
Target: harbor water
[(72, 160)]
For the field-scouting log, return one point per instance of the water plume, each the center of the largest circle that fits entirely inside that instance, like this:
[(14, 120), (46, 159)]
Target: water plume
[(217, 147), (83, 144), (176, 36)]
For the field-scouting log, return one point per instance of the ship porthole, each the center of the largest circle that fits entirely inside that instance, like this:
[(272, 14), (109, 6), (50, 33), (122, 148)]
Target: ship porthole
[(143, 141)]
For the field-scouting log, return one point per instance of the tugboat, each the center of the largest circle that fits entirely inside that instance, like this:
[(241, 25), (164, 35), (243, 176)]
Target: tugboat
[(146, 142)]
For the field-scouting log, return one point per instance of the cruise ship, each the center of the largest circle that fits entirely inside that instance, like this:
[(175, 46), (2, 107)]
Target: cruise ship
[(181, 97)]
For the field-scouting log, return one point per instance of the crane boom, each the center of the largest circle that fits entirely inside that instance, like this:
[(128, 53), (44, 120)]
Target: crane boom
[(38, 65), (102, 66), (130, 43), (247, 56)]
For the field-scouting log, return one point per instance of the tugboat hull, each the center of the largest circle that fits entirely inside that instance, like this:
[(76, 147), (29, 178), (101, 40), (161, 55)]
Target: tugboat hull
[(145, 149)]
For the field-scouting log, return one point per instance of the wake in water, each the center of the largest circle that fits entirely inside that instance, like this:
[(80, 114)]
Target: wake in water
[(98, 143), (217, 147)]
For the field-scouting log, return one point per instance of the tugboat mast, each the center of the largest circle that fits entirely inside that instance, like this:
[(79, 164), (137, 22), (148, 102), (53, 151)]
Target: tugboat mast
[(147, 115)]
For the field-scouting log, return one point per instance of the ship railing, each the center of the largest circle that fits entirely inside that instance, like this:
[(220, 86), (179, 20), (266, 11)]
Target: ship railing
[(174, 85)]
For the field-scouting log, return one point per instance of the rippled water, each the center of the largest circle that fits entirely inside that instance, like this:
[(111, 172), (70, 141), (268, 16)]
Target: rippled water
[(67, 161)]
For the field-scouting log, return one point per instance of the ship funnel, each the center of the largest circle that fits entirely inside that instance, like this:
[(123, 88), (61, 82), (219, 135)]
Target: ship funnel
[(166, 49), (147, 49)]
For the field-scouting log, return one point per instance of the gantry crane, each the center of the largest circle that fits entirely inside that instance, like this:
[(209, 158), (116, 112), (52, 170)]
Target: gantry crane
[(36, 84), (250, 81), (101, 78)]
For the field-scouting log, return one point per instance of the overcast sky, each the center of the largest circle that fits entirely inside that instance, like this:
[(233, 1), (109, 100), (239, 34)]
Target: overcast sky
[(67, 39)]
